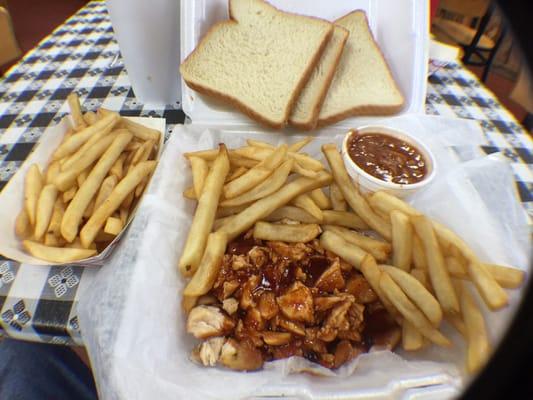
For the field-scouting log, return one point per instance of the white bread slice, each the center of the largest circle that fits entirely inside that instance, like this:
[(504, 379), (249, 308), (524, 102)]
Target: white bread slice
[(363, 83), (305, 112), (259, 60)]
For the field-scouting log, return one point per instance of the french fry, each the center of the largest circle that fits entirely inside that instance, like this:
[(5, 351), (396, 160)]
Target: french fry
[(296, 167), (56, 254), (143, 152), (76, 208), (133, 146), (51, 240), (33, 184), (412, 339), (45, 207), (305, 202), (491, 292), (409, 311), (320, 199), (67, 178), (140, 131), (23, 228), (419, 258), (128, 201), (275, 181), (57, 216), (69, 194), (190, 194), (259, 143), (343, 218), (438, 274), (351, 195), (90, 117), (238, 161), (300, 144), (267, 205), (227, 211), (199, 170), (337, 199), (219, 223), (75, 111), (106, 188), (117, 168), (372, 274), (83, 176), (260, 153), (379, 249), (113, 202), (300, 233), (479, 349), (89, 210), (417, 293), (52, 171), (256, 174), (141, 186), (386, 203), (506, 277), (74, 142), (188, 303), (402, 240), (113, 226), (123, 213), (455, 267), (292, 213), (239, 171), (205, 214), (349, 252), (422, 277), (209, 267)]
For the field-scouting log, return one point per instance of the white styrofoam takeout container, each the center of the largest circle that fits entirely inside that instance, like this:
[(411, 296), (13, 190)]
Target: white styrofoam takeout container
[(368, 183), (400, 27)]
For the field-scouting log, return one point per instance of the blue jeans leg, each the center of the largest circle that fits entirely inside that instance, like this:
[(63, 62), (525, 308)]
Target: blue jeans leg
[(31, 371)]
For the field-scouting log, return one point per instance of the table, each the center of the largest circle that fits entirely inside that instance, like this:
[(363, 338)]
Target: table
[(40, 303)]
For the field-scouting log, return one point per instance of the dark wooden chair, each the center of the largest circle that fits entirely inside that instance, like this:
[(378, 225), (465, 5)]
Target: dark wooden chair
[(479, 48)]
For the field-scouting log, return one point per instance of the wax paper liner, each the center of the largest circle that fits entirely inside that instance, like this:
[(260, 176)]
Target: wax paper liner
[(134, 328)]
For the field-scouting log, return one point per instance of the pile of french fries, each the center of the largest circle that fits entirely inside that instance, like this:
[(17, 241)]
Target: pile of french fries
[(85, 197), (418, 268)]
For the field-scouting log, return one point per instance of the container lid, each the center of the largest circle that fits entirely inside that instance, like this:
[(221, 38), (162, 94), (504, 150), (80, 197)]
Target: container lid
[(399, 26)]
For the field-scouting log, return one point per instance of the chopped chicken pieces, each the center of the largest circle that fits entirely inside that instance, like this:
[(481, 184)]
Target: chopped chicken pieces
[(274, 300), (276, 338), (297, 303), (331, 278), (360, 288), (240, 356), (239, 262), (267, 305), (208, 321), (230, 305), (209, 351)]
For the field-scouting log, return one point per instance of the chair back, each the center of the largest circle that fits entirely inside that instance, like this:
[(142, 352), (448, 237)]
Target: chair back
[(9, 48), (468, 8)]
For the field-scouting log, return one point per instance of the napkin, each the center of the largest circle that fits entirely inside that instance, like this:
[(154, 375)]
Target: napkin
[(134, 329)]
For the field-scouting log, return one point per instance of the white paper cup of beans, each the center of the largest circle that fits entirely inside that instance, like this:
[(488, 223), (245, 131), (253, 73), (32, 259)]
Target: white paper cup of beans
[(382, 158)]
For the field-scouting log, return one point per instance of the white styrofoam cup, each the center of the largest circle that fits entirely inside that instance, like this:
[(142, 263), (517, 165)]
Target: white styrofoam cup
[(148, 36)]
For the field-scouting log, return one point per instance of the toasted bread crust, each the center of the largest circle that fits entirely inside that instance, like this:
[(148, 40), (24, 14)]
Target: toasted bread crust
[(365, 110), (237, 103), (313, 121)]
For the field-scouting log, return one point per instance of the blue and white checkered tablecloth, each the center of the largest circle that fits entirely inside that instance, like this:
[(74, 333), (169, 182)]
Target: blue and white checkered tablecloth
[(40, 303)]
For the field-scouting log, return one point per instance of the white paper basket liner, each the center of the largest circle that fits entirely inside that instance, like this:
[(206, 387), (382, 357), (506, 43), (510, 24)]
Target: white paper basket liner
[(134, 328), (12, 196)]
